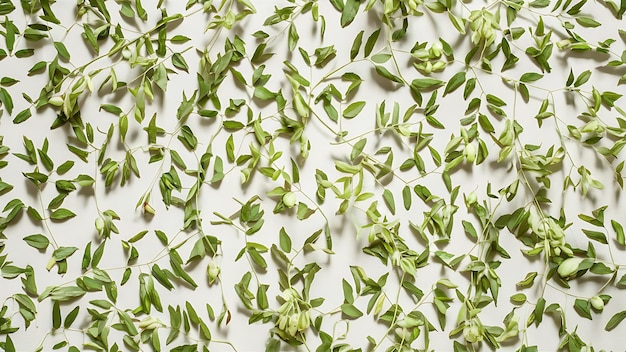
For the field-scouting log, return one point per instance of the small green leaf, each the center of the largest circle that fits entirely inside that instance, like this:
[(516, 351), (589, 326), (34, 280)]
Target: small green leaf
[(179, 62), (349, 11), (353, 109), (615, 320), (62, 214), (583, 308), (382, 71), (356, 45), (357, 149), (588, 22), (71, 317), (582, 78), (407, 197), (37, 241), (389, 200), (62, 253), (6, 100), (284, 240), (422, 84), (528, 280), (233, 125), (518, 298), (619, 230), (530, 77), (22, 116), (351, 311), (62, 50), (56, 315), (455, 82), (179, 39), (596, 236), (371, 42), (8, 81)]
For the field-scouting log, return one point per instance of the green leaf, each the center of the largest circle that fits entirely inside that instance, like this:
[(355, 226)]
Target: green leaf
[(56, 315), (24, 53), (261, 296), (6, 7), (65, 167), (62, 50), (22, 116), (37, 241), (528, 280), (357, 149), (6, 100), (62, 214), (179, 39), (71, 317), (615, 320), (62, 253), (457, 22), (518, 298), (619, 230), (351, 311), (347, 292), (380, 58), (530, 77), (596, 236), (8, 81), (583, 308), (284, 240), (233, 125), (582, 78), (422, 84), (587, 21), (407, 197), (140, 10), (353, 109), (382, 71), (371, 42), (65, 293), (356, 45), (455, 82), (349, 11), (293, 37), (263, 93), (179, 62), (389, 200)]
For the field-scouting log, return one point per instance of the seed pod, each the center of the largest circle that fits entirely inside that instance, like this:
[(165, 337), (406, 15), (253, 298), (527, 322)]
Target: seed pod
[(292, 326), (569, 266), (282, 322), (213, 271), (56, 101), (420, 54), (289, 199), (469, 152), (472, 333), (289, 294), (597, 303), (99, 224), (126, 53), (147, 323), (402, 333), (429, 67), (471, 199), (435, 50), (148, 209), (303, 321), (439, 66)]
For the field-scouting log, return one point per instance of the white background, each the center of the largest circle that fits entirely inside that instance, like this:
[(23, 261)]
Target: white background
[(348, 238)]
